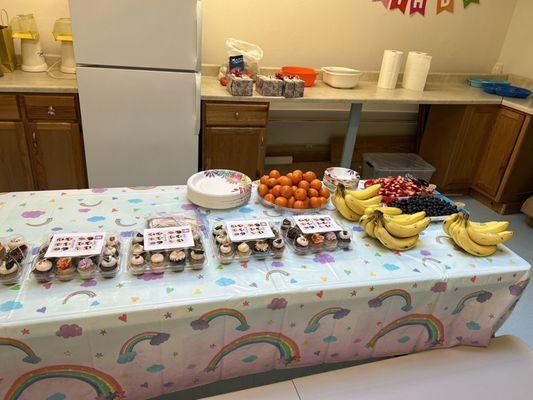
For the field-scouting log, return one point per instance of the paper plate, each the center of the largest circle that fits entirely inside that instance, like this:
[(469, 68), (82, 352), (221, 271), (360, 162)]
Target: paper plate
[(220, 183), (334, 176)]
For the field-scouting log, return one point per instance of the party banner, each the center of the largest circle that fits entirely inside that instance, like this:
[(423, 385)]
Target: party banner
[(385, 3), (400, 4), (418, 6), (466, 3), (445, 5)]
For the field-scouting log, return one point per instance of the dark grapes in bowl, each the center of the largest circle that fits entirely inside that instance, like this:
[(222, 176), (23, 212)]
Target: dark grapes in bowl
[(432, 205)]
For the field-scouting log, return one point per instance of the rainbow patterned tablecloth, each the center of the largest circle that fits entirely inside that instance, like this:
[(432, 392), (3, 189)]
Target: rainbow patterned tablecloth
[(141, 337)]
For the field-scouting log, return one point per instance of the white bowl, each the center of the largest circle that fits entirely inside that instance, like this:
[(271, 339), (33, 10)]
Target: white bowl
[(341, 78)]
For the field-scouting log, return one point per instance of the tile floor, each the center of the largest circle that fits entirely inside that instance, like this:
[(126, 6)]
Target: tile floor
[(519, 324)]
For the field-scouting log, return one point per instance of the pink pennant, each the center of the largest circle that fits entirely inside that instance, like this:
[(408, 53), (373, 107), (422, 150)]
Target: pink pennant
[(445, 5), (400, 4), (418, 6), (384, 2)]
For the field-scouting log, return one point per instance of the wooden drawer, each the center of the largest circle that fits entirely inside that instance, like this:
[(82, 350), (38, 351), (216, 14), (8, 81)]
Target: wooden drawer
[(9, 109), (51, 108), (235, 114)]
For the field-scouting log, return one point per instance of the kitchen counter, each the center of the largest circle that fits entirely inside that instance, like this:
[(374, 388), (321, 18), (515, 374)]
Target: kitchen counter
[(523, 105), (37, 82)]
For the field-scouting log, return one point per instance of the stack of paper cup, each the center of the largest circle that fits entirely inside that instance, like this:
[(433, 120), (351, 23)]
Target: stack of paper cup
[(390, 69), (416, 71)]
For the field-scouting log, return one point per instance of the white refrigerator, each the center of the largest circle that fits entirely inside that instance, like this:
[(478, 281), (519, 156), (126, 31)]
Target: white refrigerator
[(139, 86)]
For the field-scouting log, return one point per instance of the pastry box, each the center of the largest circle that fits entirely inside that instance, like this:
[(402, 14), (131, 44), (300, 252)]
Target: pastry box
[(13, 252)]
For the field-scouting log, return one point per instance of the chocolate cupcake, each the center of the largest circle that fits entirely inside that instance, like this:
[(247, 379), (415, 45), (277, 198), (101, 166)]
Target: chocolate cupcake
[(86, 268), (157, 262), (344, 239), (196, 258), (65, 271), (137, 238), (108, 266), (293, 233), (317, 242), (137, 264), (278, 247), (243, 251), (9, 274), (330, 241), (16, 255), (301, 244), (218, 230), (261, 249), (177, 259), (43, 270), (286, 225)]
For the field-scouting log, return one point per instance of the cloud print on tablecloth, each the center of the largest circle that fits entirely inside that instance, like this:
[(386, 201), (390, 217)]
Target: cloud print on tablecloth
[(277, 304), (10, 306), (33, 214), (439, 287), (67, 331), (323, 258)]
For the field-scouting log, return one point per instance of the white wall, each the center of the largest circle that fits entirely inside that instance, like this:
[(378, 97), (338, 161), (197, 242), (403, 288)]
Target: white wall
[(517, 51), (333, 32)]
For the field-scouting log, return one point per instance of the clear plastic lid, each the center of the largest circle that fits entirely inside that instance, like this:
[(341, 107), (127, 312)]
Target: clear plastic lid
[(397, 161), (24, 27), (63, 30)]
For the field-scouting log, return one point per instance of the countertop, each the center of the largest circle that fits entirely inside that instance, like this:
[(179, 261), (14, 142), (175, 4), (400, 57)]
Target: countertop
[(523, 105), (37, 82)]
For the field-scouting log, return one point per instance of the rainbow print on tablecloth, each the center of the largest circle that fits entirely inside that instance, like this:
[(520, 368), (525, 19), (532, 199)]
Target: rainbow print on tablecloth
[(31, 357), (88, 293), (433, 326), (202, 323), (314, 323), (288, 349), (402, 294), (105, 386), (127, 354), (481, 296)]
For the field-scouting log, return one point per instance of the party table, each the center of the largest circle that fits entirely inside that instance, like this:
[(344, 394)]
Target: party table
[(138, 337)]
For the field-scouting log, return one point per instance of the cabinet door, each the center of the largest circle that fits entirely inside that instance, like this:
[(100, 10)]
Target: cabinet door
[(498, 151), (58, 157), (15, 164), (240, 149)]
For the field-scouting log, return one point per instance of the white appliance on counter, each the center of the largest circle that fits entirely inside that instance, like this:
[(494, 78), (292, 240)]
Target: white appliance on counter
[(139, 87)]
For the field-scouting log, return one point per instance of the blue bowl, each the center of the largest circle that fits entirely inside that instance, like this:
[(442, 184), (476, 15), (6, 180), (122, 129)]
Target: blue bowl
[(513, 91), (492, 87)]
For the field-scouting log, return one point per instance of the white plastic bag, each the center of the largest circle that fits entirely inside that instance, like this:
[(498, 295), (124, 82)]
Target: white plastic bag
[(252, 53)]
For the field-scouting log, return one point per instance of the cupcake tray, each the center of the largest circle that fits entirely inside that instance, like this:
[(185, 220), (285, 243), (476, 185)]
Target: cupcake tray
[(13, 252), (242, 240), (315, 233), (67, 256), (167, 247)]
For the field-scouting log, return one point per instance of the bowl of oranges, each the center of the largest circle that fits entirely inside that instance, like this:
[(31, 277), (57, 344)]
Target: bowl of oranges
[(296, 191)]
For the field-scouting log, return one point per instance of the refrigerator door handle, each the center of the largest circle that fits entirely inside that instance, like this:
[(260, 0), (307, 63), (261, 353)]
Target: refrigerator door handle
[(198, 100), (199, 36)]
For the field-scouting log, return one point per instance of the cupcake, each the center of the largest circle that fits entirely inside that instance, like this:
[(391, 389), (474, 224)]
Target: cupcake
[(2, 251), (64, 269), (137, 249), (226, 252), (157, 263), (197, 237), (112, 241), (138, 237), (108, 266), (177, 260), (293, 233), (222, 238), (17, 255), (330, 241), (317, 242), (278, 247), (110, 251), (261, 248), (43, 249), (137, 264), (43, 270), (218, 230), (243, 251), (285, 225), (86, 268), (301, 244), (196, 258), (17, 243), (344, 239), (9, 273)]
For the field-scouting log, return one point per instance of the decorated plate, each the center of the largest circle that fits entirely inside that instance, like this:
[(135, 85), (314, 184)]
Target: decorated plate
[(219, 183)]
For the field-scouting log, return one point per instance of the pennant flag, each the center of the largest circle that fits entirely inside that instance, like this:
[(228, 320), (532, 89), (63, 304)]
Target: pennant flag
[(401, 4), (384, 2), (445, 5), (466, 3), (418, 6)]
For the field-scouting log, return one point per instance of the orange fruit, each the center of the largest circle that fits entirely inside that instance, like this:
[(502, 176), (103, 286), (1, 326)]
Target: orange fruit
[(312, 192), (270, 198), (271, 182), (285, 181), (286, 191), (323, 200), (264, 179), (262, 190), (323, 192), (290, 202), (274, 174), (276, 190), (289, 175), (303, 185), (300, 194), (306, 202), (316, 184), (299, 205), (281, 201), (298, 171), (314, 202), (309, 176), (296, 177)]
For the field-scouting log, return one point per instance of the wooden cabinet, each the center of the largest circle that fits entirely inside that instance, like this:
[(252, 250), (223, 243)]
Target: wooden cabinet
[(41, 144), (16, 173), (234, 136)]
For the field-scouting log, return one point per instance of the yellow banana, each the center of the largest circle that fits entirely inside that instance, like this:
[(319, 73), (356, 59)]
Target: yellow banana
[(448, 221), (391, 242), (384, 210), (367, 193), (490, 227), (405, 219), (359, 206), (487, 238), (370, 226), (468, 245), (343, 209), (406, 231)]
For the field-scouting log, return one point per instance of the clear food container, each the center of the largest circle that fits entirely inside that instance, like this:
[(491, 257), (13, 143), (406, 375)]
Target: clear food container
[(382, 165), (13, 252)]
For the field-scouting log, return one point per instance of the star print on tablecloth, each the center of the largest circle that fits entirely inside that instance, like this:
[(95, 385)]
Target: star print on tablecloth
[(348, 328), (175, 354), (200, 276), (120, 285), (500, 279), (67, 353), (270, 322), (102, 332), (353, 293), (167, 315), (98, 355), (414, 285), (245, 303), (292, 324), (492, 316), (190, 309), (25, 331), (212, 345), (372, 288), (302, 305)]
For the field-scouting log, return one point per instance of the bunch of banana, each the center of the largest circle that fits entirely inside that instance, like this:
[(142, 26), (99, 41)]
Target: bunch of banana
[(396, 232), (478, 239), (353, 204)]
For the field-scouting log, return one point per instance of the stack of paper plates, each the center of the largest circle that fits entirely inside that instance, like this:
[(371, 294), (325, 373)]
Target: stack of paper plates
[(219, 189)]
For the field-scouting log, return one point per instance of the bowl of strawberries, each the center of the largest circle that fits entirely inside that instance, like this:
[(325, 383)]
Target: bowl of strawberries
[(400, 187), (296, 191)]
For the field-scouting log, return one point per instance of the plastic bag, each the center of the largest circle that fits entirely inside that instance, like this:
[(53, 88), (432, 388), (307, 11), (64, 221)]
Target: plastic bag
[(252, 53)]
